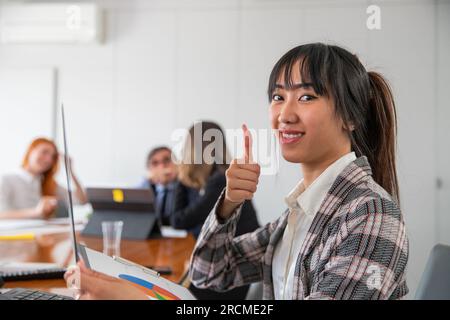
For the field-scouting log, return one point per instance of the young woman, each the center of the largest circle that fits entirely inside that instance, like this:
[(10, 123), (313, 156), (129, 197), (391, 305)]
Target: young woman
[(343, 234), (32, 192), (201, 184)]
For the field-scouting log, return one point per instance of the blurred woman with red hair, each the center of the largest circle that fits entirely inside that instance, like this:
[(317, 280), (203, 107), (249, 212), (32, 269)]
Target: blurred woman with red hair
[(33, 192)]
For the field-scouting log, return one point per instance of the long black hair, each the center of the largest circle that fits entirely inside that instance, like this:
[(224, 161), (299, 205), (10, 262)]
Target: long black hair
[(362, 99)]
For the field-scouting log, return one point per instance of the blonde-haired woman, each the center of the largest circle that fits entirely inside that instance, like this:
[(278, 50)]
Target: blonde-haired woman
[(33, 192), (202, 179)]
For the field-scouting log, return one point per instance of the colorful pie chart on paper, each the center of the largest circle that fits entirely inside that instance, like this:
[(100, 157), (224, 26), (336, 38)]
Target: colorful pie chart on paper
[(149, 288)]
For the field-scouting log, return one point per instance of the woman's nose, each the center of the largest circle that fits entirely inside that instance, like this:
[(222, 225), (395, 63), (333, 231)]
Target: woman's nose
[(288, 114)]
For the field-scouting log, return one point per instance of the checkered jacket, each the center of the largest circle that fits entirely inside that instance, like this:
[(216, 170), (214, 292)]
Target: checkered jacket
[(356, 247)]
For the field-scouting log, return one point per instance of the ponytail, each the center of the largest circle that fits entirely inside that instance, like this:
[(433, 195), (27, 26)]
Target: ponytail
[(381, 133)]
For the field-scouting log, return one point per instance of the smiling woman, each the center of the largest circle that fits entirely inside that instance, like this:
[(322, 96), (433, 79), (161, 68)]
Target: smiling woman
[(343, 235), (342, 104), (33, 192)]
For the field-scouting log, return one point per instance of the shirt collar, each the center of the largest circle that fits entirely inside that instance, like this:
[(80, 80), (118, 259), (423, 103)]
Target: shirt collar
[(169, 187), (310, 199)]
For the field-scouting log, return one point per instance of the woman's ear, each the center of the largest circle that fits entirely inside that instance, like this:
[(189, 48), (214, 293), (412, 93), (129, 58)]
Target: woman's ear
[(349, 127)]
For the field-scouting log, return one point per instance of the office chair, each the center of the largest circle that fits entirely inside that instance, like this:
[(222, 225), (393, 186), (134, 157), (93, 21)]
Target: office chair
[(435, 282), (255, 291)]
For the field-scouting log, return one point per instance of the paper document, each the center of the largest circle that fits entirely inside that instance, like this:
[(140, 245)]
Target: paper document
[(169, 232), (6, 267), (12, 224), (39, 230), (154, 286)]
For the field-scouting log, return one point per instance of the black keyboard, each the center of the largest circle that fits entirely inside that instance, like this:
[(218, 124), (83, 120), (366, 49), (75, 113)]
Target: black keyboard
[(30, 294), (41, 274)]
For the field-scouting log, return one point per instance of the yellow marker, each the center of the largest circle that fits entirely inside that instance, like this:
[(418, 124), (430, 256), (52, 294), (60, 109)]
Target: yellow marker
[(24, 236), (117, 195)]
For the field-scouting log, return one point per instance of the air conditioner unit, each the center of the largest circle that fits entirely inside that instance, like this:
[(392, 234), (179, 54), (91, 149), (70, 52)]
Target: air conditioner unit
[(51, 23)]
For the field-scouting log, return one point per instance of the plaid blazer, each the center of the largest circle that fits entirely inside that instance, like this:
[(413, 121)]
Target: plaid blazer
[(356, 247)]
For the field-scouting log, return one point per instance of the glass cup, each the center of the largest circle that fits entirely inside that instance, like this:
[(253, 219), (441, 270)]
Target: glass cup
[(112, 233)]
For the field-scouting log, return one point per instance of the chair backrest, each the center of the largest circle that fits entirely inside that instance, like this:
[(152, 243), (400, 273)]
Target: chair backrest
[(435, 282)]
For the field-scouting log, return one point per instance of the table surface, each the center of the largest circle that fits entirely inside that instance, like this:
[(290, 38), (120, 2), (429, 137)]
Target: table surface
[(56, 248)]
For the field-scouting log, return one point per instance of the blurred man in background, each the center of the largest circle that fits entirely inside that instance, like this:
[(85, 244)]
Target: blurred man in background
[(162, 178)]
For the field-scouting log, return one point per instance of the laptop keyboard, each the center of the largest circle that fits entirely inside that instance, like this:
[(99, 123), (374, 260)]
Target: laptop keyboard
[(29, 294)]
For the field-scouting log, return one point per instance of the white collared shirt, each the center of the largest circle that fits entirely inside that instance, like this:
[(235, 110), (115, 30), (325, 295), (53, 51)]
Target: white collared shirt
[(22, 190), (303, 205)]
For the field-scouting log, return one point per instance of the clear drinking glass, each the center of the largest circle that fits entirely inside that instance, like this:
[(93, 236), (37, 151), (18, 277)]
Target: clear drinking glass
[(112, 233)]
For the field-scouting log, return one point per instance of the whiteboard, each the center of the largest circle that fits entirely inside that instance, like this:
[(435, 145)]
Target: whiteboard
[(26, 111)]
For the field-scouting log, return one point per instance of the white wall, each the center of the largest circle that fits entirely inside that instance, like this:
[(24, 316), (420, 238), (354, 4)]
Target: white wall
[(26, 94), (442, 131), (165, 64)]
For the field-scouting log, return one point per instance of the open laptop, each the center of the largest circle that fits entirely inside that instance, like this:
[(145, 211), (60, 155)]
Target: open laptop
[(31, 294), (135, 207), (124, 199)]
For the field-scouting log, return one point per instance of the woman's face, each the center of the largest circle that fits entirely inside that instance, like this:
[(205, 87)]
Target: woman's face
[(42, 158), (309, 131)]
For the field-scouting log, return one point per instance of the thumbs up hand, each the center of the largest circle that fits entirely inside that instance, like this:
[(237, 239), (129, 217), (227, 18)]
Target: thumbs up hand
[(242, 179)]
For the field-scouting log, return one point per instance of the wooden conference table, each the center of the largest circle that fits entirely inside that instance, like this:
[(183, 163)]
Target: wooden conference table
[(56, 248)]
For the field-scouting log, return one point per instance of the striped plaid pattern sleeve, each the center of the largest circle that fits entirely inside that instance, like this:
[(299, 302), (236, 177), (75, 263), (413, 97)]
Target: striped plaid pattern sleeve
[(369, 255), (221, 261)]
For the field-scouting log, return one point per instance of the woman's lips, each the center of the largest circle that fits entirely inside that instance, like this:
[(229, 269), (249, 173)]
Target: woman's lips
[(290, 136)]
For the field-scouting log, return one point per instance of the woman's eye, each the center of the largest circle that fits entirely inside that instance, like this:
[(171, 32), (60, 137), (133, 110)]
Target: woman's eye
[(307, 97), (277, 97)]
